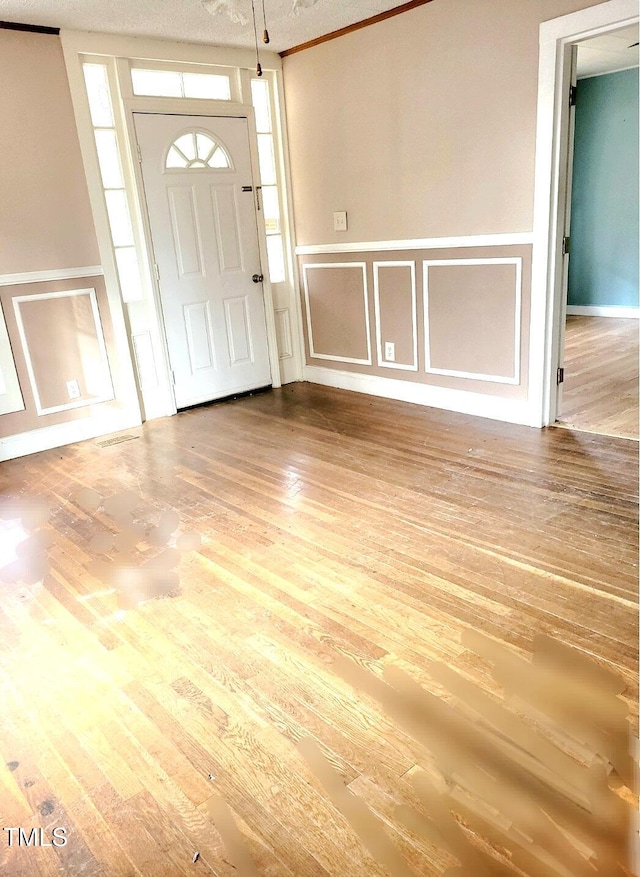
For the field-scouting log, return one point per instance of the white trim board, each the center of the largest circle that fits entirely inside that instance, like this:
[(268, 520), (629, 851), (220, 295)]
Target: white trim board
[(603, 311), (473, 240), (152, 49), (461, 401), (48, 437), (51, 275)]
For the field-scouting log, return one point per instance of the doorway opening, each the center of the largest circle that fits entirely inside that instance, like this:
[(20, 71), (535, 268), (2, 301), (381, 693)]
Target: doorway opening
[(599, 333), (559, 38)]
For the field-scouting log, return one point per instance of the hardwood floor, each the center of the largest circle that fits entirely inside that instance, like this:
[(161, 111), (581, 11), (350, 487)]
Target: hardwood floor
[(600, 391), (261, 716)]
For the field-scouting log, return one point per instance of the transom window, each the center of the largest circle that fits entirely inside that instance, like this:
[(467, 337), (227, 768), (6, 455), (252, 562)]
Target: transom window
[(178, 83), (196, 150)]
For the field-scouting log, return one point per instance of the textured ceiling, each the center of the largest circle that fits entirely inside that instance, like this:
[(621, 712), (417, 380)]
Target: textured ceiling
[(614, 51), (189, 20)]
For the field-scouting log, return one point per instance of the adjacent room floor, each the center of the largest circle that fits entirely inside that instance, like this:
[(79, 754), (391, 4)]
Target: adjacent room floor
[(600, 392), (340, 591)]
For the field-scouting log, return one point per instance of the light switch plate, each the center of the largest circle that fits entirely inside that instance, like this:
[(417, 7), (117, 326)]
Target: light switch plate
[(340, 220)]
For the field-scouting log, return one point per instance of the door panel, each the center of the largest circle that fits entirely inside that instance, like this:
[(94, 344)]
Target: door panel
[(225, 211), (197, 320), (186, 240), (238, 330), (205, 244)]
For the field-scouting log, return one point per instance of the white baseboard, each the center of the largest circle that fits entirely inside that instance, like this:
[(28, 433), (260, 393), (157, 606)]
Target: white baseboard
[(603, 311), (461, 401), (48, 437)]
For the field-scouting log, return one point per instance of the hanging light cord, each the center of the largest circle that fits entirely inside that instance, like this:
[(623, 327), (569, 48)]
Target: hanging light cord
[(265, 34), (255, 36)]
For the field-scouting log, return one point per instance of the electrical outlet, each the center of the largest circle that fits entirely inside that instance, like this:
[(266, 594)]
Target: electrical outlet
[(390, 351), (340, 221), (73, 389)]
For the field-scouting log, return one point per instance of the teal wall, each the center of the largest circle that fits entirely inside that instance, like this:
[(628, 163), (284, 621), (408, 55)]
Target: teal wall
[(603, 266)]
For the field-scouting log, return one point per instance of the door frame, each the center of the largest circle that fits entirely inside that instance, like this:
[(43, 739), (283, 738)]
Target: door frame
[(143, 340), (557, 38), (168, 107)]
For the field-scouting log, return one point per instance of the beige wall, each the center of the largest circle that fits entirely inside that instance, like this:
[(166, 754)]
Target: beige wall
[(46, 225), (45, 217), (424, 126), (419, 126)]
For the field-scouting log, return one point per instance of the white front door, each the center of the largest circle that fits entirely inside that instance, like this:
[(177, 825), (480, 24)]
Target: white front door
[(201, 204)]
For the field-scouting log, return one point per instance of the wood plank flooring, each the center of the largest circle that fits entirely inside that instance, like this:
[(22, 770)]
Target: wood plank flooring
[(252, 713), (600, 391)]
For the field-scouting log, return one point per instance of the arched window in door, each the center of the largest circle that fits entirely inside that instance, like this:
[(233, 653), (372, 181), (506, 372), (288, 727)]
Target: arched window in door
[(196, 149)]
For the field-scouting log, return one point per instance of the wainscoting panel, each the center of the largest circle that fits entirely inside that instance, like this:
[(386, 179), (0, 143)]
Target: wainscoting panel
[(394, 295), (450, 315), (71, 373), (337, 310), (67, 368), (472, 314)]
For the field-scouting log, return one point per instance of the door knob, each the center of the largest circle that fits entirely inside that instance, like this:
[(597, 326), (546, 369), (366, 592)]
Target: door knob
[(258, 278)]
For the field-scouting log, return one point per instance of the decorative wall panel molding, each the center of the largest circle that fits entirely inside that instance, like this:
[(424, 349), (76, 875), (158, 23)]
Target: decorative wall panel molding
[(10, 393), (410, 317), (461, 328), (345, 320), (475, 362), (87, 365)]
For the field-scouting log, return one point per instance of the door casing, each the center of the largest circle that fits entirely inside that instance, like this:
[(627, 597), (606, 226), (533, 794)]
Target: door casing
[(557, 39)]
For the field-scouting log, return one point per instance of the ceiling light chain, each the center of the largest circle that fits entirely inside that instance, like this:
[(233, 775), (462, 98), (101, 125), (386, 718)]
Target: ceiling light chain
[(255, 37), (265, 34)]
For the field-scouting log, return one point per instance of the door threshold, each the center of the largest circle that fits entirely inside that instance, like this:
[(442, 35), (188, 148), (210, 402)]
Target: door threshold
[(605, 434), (230, 398)]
